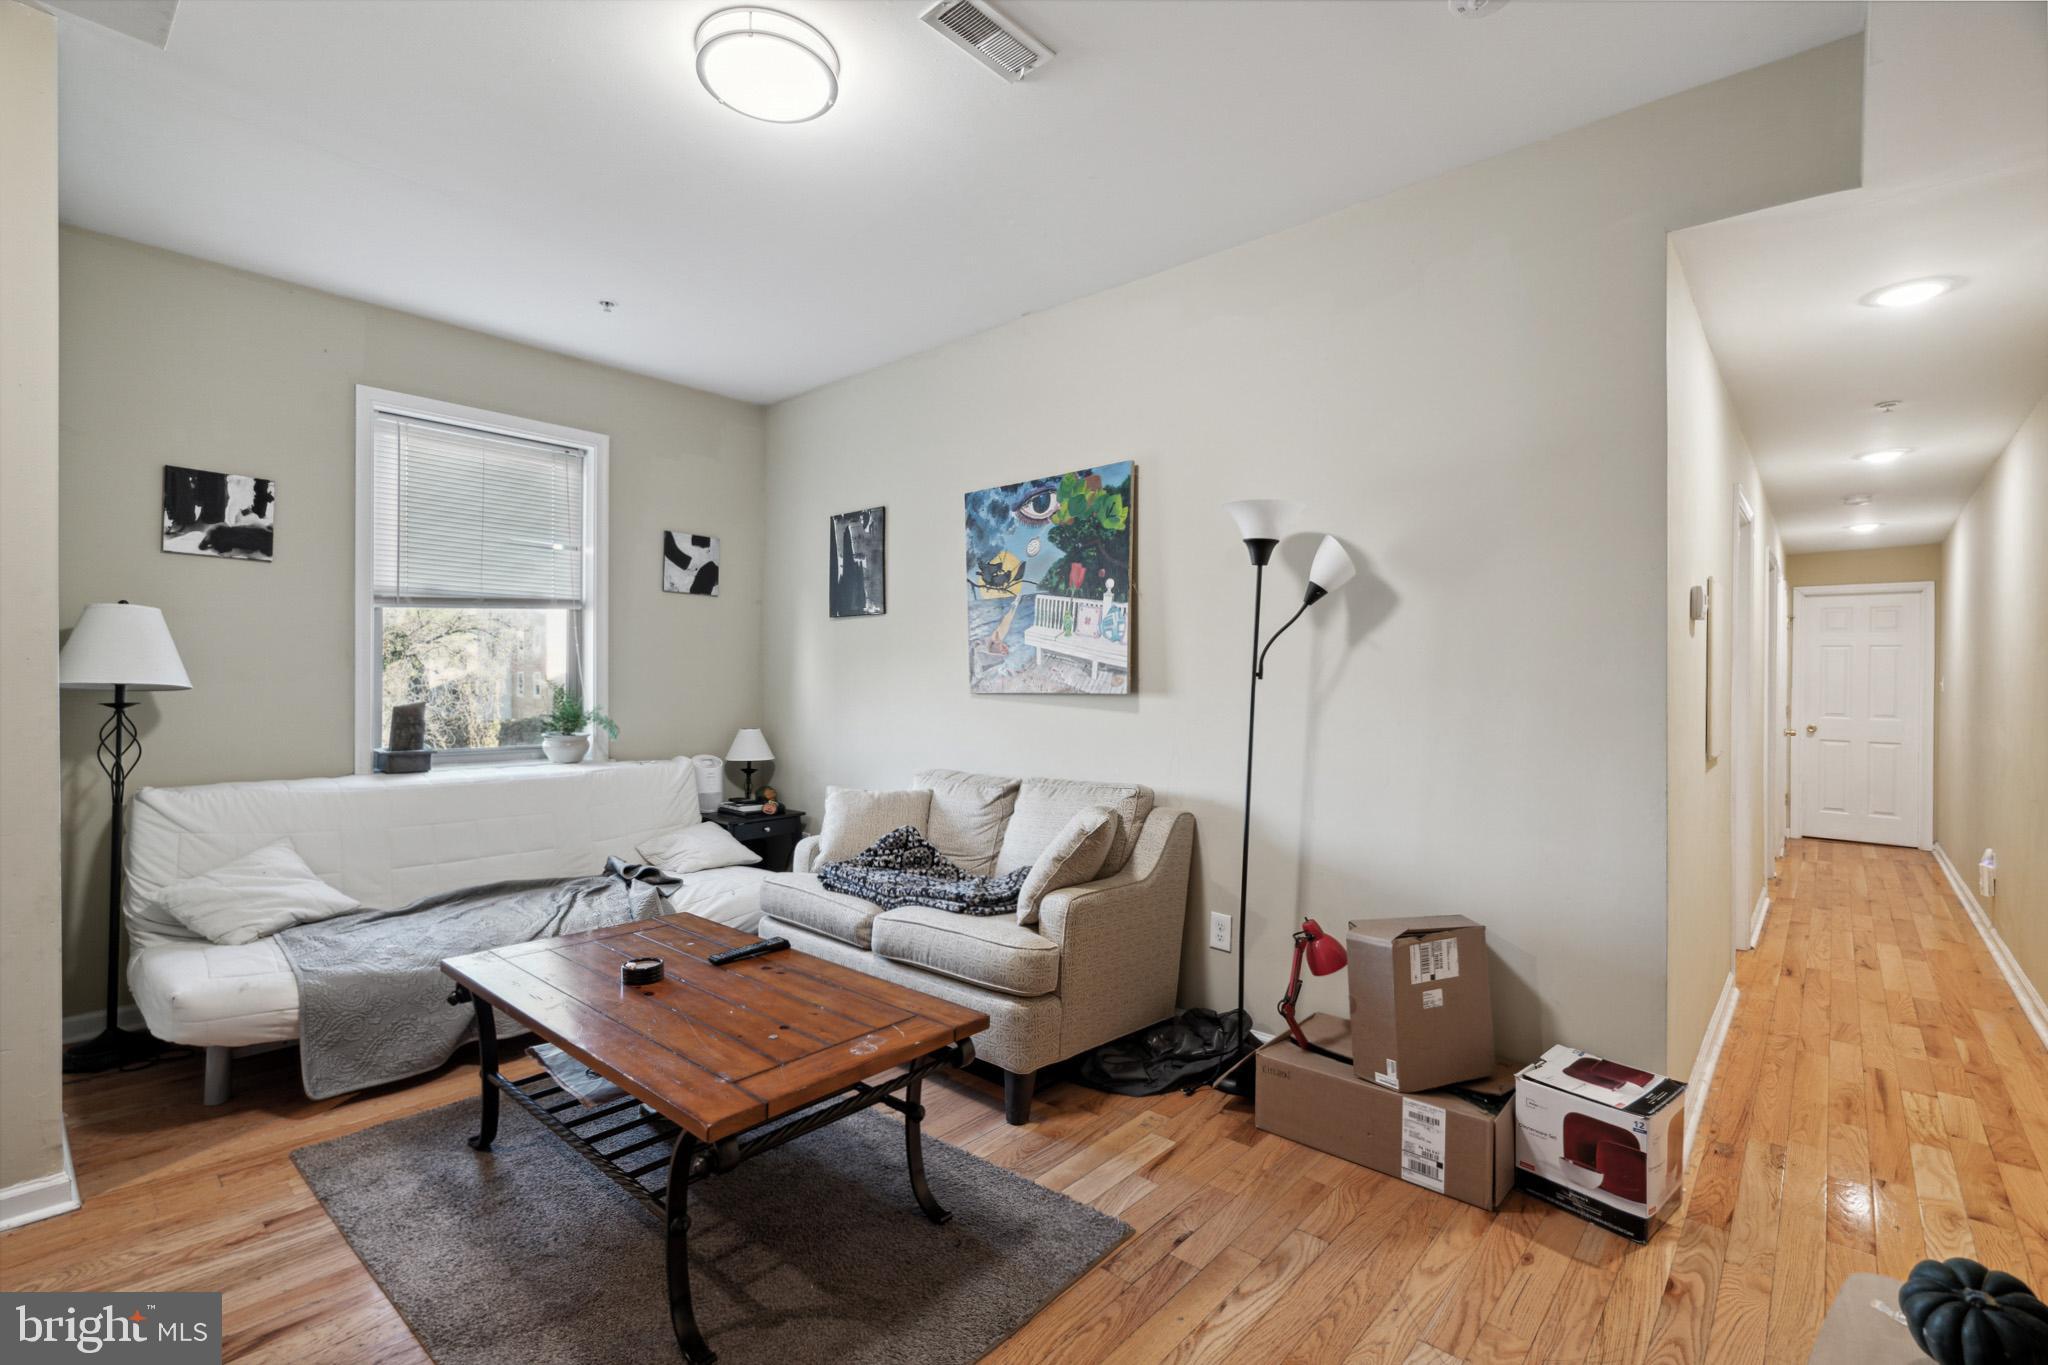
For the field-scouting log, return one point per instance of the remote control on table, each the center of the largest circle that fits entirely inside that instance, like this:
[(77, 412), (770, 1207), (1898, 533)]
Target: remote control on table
[(732, 955)]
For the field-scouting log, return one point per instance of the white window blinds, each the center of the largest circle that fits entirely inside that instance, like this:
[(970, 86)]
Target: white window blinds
[(474, 516)]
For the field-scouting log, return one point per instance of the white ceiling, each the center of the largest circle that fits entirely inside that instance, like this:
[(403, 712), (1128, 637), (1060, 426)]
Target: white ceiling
[(503, 166), (1956, 184)]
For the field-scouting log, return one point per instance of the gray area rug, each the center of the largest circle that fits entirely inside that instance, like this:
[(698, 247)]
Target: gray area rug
[(815, 1252)]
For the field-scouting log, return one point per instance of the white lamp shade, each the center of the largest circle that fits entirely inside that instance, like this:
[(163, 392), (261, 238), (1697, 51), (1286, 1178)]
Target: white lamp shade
[(1263, 518), (749, 746), (1332, 567), (118, 644)]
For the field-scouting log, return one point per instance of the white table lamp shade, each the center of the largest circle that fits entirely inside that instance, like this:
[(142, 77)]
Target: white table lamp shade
[(1263, 518), (749, 746), (118, 644), (1332, 567)]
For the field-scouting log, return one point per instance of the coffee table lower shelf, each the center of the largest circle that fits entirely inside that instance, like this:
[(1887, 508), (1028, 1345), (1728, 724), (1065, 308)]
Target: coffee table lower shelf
[(687, 1158)]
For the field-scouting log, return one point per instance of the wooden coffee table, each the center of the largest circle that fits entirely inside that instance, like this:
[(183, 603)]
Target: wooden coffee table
[(735, 1061)]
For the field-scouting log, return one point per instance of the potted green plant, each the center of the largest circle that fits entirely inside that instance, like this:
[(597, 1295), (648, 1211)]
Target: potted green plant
[(566, 737)]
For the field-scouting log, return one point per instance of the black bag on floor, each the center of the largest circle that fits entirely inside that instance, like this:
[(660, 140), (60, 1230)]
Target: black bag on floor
[(1186, 1050)]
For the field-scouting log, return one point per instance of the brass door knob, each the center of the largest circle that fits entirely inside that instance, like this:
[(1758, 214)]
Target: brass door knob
[(1811, 729)]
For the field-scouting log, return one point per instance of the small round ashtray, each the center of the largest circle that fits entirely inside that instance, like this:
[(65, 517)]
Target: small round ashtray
[(640, 971)]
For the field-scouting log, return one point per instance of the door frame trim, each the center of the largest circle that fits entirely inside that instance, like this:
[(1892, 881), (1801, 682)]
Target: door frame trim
[(1925, 589)]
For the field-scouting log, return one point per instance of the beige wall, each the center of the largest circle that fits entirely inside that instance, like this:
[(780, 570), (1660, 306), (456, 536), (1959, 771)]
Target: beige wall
[(1466, 382), (31, 1112), (1709, 458), (1896, 564), (168, 360), (1991, 769)]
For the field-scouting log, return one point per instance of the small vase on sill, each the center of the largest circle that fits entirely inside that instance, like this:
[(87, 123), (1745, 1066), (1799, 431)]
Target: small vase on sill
[(565, 748)]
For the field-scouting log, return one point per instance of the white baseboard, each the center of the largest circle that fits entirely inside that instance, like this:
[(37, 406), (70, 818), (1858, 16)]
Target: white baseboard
[(2009, 966), (1760, 914), (79, 1027), (1702, 1077), (44, 1197)]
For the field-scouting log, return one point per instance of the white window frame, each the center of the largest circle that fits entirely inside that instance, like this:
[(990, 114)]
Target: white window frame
[(370, 403)]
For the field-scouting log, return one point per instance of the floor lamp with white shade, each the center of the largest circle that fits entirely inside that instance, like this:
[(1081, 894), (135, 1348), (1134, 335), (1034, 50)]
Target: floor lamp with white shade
[(1264, 522), (125, 648)]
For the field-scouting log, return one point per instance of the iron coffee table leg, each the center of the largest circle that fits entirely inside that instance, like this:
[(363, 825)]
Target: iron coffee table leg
[(682, 1317), (913, 1143), (487, 1066)]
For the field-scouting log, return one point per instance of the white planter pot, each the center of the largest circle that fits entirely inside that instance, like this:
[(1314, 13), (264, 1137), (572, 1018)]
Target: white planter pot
[(565, 748)]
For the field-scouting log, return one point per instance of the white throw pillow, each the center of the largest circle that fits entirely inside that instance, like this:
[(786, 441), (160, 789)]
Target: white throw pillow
[(854, 819), (254, 896), (697, 848), (1075, 855)]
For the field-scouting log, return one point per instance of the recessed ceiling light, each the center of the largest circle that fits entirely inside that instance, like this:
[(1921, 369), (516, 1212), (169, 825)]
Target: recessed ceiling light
[(1884, 456), (767, 65), (1909, 292), (1857, 499), (1864, 528)]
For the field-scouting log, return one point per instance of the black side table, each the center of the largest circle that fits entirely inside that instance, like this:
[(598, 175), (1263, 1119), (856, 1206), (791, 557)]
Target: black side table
[(774, 837)]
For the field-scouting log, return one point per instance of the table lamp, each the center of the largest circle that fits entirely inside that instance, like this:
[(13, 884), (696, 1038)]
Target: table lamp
[(127, 648), (748, 748)]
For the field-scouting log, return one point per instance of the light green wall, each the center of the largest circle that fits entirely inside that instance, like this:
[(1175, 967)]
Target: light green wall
[(169, 360)]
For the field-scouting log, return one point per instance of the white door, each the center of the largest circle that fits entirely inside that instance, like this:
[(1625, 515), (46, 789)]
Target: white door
[(1860, 713)]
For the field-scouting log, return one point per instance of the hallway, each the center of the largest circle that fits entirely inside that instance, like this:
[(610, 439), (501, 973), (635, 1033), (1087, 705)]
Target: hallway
[(1881, 1098)]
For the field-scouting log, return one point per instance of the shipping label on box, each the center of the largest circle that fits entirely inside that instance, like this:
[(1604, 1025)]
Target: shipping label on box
[(1600, 1138), (1421, 1003)]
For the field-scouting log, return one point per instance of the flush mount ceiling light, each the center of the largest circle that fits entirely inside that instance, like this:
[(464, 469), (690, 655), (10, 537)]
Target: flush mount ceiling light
[(1884, 456), (767, 65), (1864, 528), (1909, 292), (1857, 500)]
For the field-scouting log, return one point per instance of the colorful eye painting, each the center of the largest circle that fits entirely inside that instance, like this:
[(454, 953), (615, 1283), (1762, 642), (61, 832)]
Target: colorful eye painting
[(1049, 583)]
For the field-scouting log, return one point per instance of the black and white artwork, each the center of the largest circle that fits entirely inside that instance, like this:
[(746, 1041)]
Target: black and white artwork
[(860, 575), (228, 516), (689, 563)]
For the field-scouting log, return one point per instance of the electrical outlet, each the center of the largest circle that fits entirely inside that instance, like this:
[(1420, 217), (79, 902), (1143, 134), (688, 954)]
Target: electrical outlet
[(1219, 933)]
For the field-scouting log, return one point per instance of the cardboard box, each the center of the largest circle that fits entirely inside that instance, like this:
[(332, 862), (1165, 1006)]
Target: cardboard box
[(1421, 1011), (1459, 1145), (1864, 1327), (1600, 1138)]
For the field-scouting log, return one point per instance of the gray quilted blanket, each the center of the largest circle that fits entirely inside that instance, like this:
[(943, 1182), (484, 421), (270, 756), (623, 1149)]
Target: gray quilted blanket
[(902, 868), (373, 1004)]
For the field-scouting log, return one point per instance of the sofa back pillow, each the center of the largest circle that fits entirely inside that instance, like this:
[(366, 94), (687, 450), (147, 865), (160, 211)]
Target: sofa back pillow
[(254, 896), (1075, 855), (1045, 804), (855, 818), (969, 813), (696, 848)]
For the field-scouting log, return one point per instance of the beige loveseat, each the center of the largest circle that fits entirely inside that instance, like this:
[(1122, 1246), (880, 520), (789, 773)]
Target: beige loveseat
[(1102, 960)]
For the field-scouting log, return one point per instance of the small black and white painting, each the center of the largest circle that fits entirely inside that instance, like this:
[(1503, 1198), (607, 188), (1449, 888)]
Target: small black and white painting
[(228, 516), (689, 563), (860, 575)]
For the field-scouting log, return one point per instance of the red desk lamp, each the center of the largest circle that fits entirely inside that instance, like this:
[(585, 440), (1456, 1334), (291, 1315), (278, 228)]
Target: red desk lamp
[(1324, 955)]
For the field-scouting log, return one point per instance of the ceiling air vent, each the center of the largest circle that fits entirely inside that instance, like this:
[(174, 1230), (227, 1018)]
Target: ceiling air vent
[(985, 35)]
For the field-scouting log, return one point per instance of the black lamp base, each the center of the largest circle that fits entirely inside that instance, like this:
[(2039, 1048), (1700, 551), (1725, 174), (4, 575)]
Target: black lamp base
[(114, 1047), (1239, 1078)]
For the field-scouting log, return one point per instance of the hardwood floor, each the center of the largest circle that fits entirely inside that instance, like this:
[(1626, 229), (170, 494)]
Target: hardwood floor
[(1881, 1098)]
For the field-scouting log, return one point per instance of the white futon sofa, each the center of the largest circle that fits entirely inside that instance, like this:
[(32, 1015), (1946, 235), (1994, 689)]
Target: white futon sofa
[(386, 841)]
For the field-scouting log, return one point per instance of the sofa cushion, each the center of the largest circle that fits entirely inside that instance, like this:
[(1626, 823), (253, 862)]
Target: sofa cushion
[(1075, 855), (968, 815), (988, 950), (1045, 804), (802, 899), (855, 818)]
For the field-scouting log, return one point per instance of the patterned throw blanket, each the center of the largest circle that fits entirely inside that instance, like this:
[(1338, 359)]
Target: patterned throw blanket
[(902, 868)]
